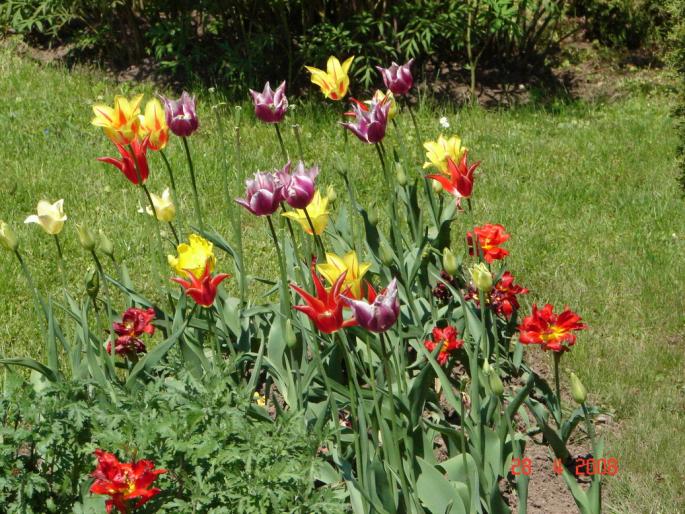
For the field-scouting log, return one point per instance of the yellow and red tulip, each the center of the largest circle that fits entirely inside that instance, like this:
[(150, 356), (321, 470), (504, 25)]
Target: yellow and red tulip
[(334, 82), (438, 151), (349, 264), (121, 122), (153, 125), (195, 257), (133, 161), (202, 289)]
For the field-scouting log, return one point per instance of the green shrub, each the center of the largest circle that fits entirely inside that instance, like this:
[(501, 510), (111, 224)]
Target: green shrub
[(222, 454), (676, 58)]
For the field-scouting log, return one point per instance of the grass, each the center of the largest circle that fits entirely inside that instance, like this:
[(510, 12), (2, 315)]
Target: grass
[(588, 193)]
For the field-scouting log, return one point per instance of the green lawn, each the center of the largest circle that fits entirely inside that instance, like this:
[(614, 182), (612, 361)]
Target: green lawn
[(588, 193)]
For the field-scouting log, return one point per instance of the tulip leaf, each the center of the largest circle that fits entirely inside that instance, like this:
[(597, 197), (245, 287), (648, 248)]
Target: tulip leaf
[(32, 364), (437, 493)]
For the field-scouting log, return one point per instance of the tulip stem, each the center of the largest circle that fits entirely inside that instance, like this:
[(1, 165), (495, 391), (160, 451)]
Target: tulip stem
[(173, 231), (60, 262), (316, 236), (38, 301), (280, 142), (285, 307), (193, 183), (171, 175), (108, 303), (557, 359), (296, 131)]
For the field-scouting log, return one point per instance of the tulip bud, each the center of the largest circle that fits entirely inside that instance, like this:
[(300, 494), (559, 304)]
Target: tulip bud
[(86, 237), (578, 390), (496, 384), (373, 218), (8, 238), (106, 245), (331, 194), (449, 262), (487, 368), (401, 175), (437, 186), (481, 277), (387, 257), (92, 283), (290, 336)]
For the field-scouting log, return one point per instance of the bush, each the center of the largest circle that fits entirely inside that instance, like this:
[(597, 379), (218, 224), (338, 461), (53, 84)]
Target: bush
[(223, 454), (676, 58)]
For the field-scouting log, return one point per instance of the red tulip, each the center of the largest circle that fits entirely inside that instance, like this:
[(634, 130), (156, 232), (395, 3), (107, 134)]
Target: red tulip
[(489, 238), (326, 308), (124, 481), (460, 181), (551, 331), (502, 297), (446, 339), (127, 165), (202, 290)]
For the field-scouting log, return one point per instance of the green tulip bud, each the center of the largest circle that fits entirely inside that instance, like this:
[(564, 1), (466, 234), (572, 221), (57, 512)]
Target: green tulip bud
[(331, 194), (496, 384), (487, 368), (290, 336), (449, 261), (106, 245), (373, 218), (387, 257), (437, 186), (578, 390), (401, 175), (86, 237), (481, 277), (92, 283), (8, 238)]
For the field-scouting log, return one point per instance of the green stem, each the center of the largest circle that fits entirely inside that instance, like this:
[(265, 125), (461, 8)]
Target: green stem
[(557, 359), (318, 240), (237, 225), (296, 130), (193, 183), (60, 262), (521, 480), (171, 175), (173, 231), (280, 142), (285, 299), (38, 301), (108, 303)]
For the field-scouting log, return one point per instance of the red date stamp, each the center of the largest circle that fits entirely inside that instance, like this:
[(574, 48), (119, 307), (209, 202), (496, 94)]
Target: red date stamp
[(579, 466)]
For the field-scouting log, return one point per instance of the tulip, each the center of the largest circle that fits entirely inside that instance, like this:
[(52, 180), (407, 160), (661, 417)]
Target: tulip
[(551, 331), (154, 126), (578, 390), (449, 261), (326, 308), (438, 151), (50, 217), (481, 277), (503, 297), (127, 164), (165, 210), (490, 236), (92, 283), (180, 115), (290, 336), (196, 257), (398, 79), (270, 106), (203, 289), (106, 245), (335, 266), (8, 238), (370, 122), (496, 384), (381, 97), (124, 481), (381, 310), (333, 82), (298, 187), (86, 237), (263, 195), (331, 194), (460, 181), (121, 123), (445, 339), (317, 212)]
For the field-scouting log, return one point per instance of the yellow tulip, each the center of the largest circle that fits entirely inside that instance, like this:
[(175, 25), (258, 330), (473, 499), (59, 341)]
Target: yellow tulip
[(50, 216), (438, 151), (164, 206), (153, 125), (333, 82), (380, 97), (121, 123), (318, 213), (336, 266), (481, 277), (193, 257), (7, 237)]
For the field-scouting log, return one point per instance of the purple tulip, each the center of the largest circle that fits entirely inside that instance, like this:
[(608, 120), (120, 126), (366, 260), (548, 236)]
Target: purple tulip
[(298, 187), (398, 78), (370, 122), (381, 313), (180, 115), (263, 194), (270, 106)]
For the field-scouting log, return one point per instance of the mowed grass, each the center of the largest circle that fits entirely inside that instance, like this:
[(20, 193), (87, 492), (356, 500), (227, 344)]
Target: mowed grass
[(588, 193)]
